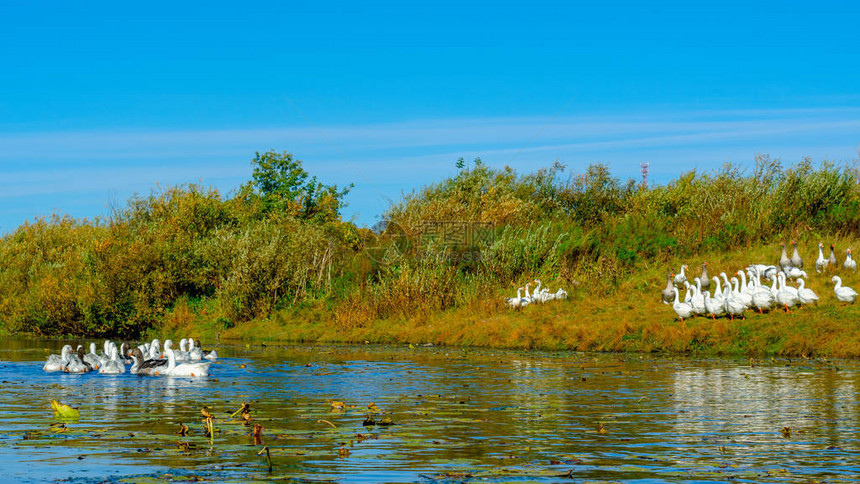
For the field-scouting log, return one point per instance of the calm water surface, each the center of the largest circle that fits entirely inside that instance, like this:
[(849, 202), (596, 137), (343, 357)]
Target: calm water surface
[(458, 416)]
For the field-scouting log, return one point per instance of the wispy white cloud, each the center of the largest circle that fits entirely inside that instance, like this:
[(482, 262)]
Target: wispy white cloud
[(388, 158)]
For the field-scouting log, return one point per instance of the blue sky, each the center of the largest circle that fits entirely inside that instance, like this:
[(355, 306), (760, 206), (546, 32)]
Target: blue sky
[(100, 100)]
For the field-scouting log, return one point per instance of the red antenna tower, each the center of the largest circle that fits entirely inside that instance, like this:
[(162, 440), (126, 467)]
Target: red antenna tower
[(644, 167)]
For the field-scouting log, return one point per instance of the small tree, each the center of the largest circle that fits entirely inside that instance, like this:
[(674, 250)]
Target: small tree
[(282, 185)]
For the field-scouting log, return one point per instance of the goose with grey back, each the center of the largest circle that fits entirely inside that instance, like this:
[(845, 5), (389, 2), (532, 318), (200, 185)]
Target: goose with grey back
[(58, 362), (146, 367), (784, 261), (796, 260), (832, 263), (705, 281), (667, 295)]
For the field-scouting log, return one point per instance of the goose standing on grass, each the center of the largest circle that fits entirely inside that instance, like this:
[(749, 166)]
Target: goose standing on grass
[(681, 277), (560, 294), (706, 281), (843, 293), (849, 264), (741, 294), (511, 302), (762, 297), (762, 270), (718, 291), (784, 295), (784, 261), (734, 305), (698, 299), (820, 262), (796, 261), (714, 307), (689, 295), (667, 295), (58, 362), (832, 263), (683, 310), (804, 294), (795, 273), (528, 296)]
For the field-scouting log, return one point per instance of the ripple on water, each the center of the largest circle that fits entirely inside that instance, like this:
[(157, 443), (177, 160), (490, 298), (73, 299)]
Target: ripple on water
[(488, 416)]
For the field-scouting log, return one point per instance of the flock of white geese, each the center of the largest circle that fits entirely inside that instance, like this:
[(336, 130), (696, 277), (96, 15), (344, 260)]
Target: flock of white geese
[(146, 359), (737, 295), (540, 295)]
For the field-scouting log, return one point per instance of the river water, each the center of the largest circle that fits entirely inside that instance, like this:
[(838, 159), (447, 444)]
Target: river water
[(457, 416)]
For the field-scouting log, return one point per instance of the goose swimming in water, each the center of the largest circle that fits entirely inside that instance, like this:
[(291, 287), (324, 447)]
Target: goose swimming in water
[(196, 352), (77, 363), (146, 367), (184, 369), (58, 362), (113, 365)]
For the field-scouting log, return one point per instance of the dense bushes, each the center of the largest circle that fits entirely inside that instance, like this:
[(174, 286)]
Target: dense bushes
[(278, 243)]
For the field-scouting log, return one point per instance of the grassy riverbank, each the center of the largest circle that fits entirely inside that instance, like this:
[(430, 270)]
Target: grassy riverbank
[(631, 319), (275, 261)]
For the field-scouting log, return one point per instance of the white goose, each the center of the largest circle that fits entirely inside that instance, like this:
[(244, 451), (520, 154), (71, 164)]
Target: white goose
[(741, 294), (683, 310), (843, 293), (850, 264), (77, 363), (734, 305), (58, 362), (795, 273), (689, 295), (113, 366), (714, 307), (761, 296), (698, 299), (784, 295), (681, 277), (804, 294), (92, 358), (184, 369), (511, 302), (820, 262)]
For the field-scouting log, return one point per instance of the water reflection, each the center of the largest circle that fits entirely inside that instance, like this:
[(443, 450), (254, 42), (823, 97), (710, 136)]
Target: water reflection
[(493, 415)]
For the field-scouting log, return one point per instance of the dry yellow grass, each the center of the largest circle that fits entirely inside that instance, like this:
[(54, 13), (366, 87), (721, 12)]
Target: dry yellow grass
[(631, 318)]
